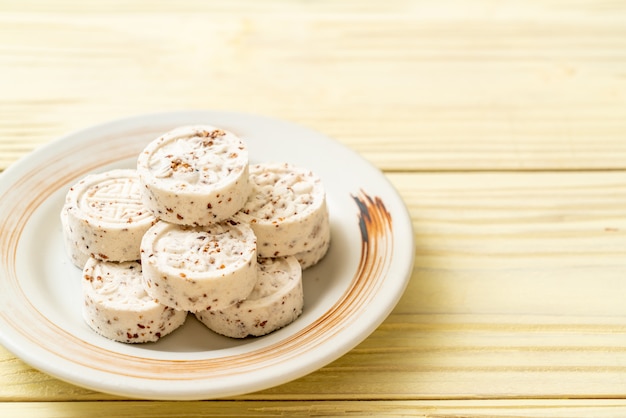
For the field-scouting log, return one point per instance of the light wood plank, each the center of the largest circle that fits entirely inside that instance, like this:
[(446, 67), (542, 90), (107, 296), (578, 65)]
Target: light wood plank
[(434, 409), (517, 291), (410, 86), (518, 287)]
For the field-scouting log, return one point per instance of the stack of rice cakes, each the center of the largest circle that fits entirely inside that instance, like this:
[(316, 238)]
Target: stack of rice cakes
[(195, 228)]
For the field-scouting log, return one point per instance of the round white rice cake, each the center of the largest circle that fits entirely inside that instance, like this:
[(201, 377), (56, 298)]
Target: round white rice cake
[(199, 268), (312, 256), (105, 217), (276, 301), (74, 252), (117, 306), (287, 210), (194, 175)]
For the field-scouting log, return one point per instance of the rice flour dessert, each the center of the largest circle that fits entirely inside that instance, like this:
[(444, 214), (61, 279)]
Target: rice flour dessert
[(195, 228), (287, 210), (74, 252), (276, 301), (117, 306), (199, 268), (315, 253), (194, 175), (104, 217)]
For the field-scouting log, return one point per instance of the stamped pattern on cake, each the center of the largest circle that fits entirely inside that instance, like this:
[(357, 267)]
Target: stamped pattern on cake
[(204, 157), (281, 193), (201, 250), (114, 200)]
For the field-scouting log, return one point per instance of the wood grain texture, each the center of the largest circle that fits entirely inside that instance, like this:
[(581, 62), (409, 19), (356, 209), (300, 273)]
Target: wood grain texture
[(428, 86), (501, 124), (517, 292), (431, 409)]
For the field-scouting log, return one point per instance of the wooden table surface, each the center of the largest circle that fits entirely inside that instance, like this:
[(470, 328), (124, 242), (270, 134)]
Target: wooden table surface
[(502, 125)]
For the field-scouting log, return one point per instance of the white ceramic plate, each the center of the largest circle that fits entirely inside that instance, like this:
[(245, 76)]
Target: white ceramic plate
[(347, 295)]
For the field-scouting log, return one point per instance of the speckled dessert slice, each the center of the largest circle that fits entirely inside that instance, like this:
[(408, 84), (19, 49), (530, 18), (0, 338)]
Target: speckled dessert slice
[(74, 252), (117, 306), (105, 217), (276, 301), (318, 250), (199, 268), (287, 210), (194, 175)]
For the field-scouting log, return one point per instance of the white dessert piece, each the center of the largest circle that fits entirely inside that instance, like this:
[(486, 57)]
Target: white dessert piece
[(315, 253), (74, 252), (117, 306), (105, 216), (287, 210), (276, 301), (199, 268), (194, 175)]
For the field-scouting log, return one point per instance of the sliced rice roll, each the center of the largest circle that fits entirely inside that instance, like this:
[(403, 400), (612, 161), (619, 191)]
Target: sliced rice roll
[(117, 306), (104, 217), (199, 268), (276, 301), (313, 255), (287, 210), (194, 175), (74, 251)]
